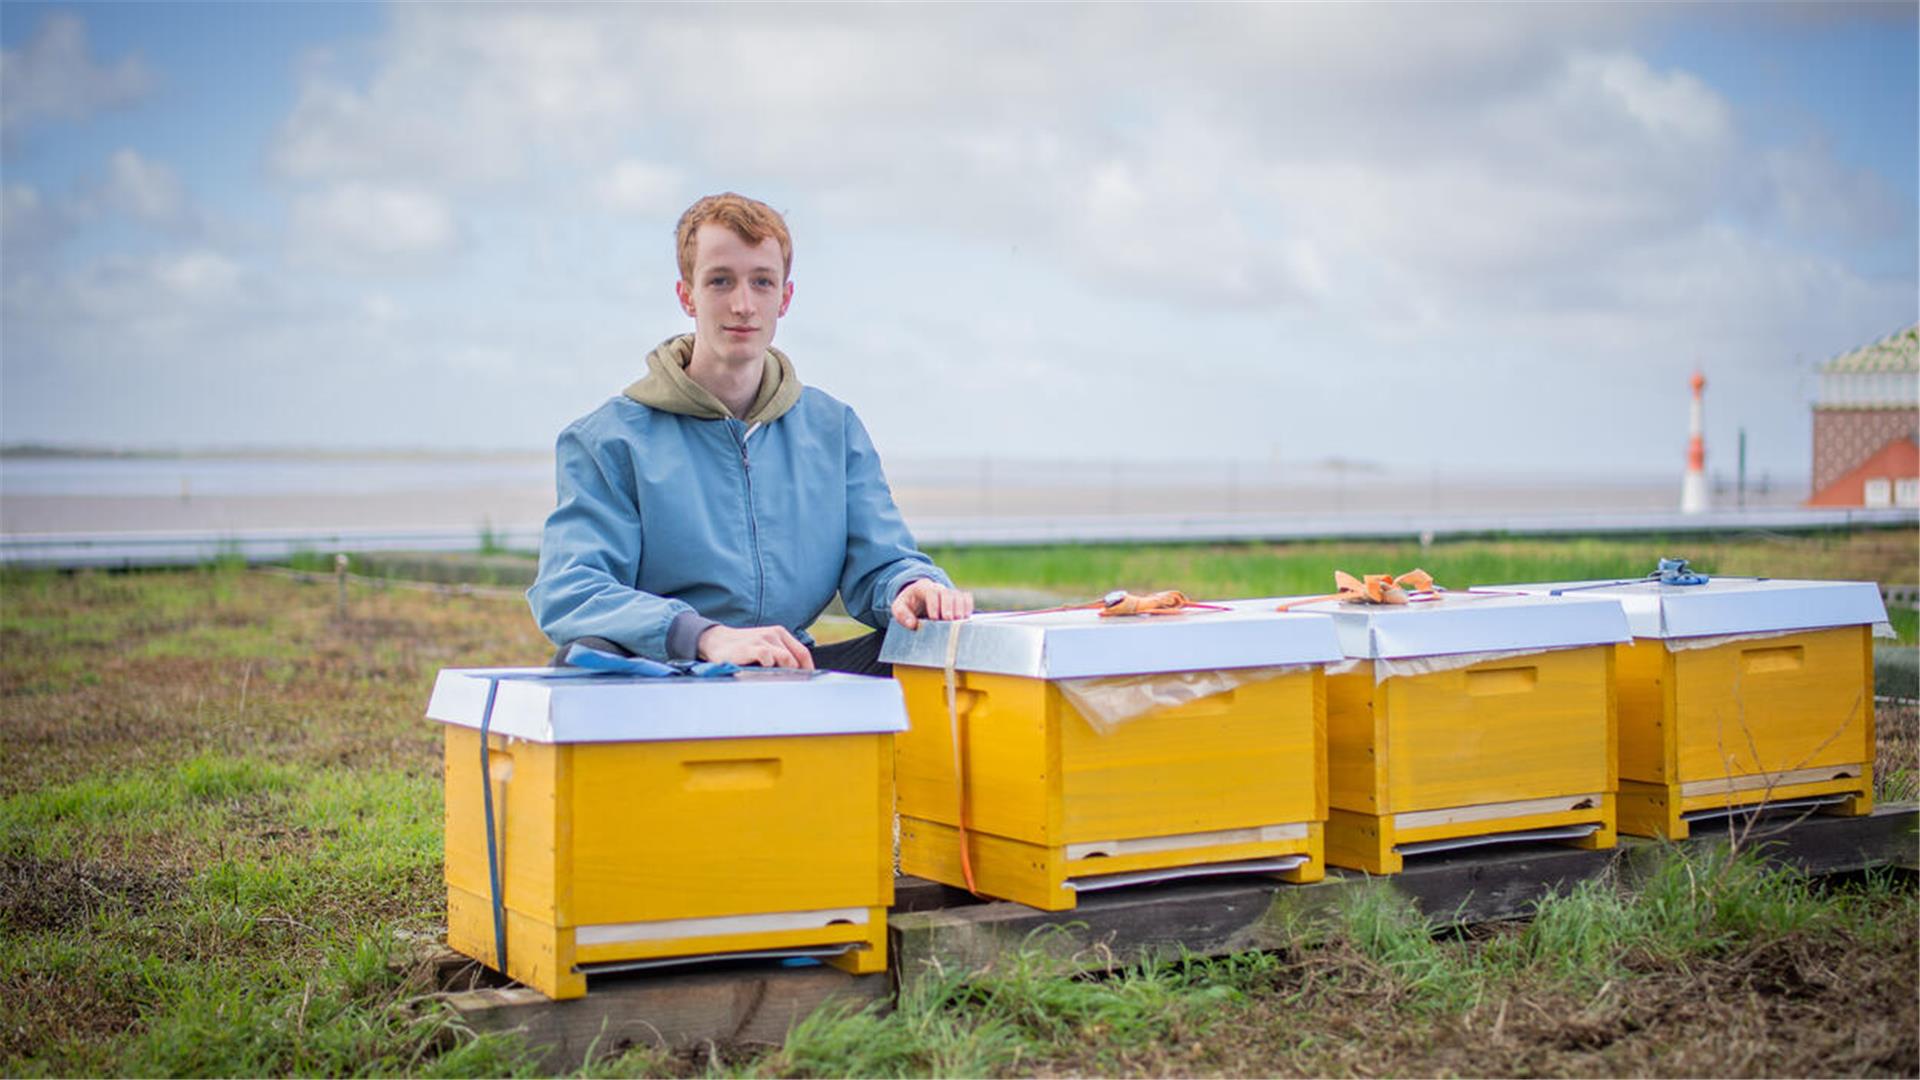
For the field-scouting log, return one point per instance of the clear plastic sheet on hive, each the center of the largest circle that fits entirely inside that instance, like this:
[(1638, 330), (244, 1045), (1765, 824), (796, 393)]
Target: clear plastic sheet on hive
[(1714, 641), (1386, 668), (1106, 702)]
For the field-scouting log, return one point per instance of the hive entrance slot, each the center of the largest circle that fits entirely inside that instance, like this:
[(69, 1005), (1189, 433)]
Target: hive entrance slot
[(817, 952), (1564, 832), (1097, 882), (1782, 806)]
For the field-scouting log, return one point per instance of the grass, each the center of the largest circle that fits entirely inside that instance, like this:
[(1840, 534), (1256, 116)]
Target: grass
[(1263, 569), (1594, 983), (220, 829)]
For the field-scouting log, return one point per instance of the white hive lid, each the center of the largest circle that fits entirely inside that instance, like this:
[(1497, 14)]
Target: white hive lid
[(1725, 605), (1081, 644), (1464, 622), (566, 706)]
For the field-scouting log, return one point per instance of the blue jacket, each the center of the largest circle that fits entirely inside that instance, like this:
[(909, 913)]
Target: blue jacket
[(662, 516)]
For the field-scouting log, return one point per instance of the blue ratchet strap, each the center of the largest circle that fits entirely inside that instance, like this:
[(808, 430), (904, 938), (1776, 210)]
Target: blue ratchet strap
[(1675, 572), (593, 662), (493, 855), (1670, 572)]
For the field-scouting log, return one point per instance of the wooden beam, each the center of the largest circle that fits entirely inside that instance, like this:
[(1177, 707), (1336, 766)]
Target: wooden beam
[(1218, 916), (935, 924), (675, 1012)]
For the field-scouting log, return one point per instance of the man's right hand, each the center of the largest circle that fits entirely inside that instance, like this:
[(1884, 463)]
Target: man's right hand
[(765, 646)]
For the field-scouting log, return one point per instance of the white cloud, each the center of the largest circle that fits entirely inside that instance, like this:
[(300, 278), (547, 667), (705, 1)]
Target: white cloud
[(640, 187), (144, 189), (54, 78), (30, 225), (198, 275), (1004, 211), (1159, 151), (358, 226)]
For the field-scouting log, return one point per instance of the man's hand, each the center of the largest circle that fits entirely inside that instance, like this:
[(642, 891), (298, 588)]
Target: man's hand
[(927, 598), (766, 646)]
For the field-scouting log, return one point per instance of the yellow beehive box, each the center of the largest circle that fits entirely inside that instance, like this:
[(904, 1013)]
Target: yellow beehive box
[(640, 822), (1469, 720), (1737, 692), (1094, 753)]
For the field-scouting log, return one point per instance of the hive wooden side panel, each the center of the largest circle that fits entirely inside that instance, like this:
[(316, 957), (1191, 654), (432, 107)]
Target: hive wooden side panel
[(526, 832), (1500, 731), (539, 954), (1004, 744), (1179, 786), (1774, 704), (1643, 678), (1496, 747), (1356, 737), (1245, 757), (648, 818), (765, 842)]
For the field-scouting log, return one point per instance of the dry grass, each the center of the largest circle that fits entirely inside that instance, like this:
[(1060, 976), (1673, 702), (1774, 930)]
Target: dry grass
[(100, 672), (217, 793)]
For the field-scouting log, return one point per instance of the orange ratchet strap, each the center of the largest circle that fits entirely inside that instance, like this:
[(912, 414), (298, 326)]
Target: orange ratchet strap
[(959, 758), (1375, 589), (1172, 602)]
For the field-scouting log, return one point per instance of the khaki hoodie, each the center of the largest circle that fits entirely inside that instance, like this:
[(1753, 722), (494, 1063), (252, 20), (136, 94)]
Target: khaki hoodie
[(667, 386)]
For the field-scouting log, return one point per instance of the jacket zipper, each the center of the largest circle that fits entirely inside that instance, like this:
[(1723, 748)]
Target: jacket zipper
[(753, 531)]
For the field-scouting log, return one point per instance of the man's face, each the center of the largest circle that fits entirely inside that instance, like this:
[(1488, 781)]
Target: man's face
[(738, 292)]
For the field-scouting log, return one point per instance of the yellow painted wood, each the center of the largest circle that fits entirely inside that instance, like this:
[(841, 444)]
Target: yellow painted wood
[(1651, 810), (1356, 741), (1790, 702), (1535, 727), (737, 942), (1860, 787), (1221, 762), (1036, 875), (1737, 710), (1031, 874), (622, 832), (1500, 731), (1311, 845), (1656, 809), (1366, 841), (1601, 813), (1039, 777), (539, 954), (524, 777), (674, 830), (1010, 752)]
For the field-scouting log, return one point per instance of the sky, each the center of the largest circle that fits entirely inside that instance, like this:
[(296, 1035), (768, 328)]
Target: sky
[(1438, 235)]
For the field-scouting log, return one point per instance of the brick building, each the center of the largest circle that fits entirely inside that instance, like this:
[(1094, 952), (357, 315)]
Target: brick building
[(1866, 425)]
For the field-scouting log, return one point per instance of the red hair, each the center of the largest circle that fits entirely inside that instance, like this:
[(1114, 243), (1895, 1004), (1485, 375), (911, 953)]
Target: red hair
[(750, 219)]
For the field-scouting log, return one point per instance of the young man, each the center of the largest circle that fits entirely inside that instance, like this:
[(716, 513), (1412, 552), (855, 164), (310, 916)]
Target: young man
[(712, 511)]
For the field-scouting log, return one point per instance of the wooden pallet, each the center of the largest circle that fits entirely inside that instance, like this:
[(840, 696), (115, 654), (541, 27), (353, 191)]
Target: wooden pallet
[(934, 924)]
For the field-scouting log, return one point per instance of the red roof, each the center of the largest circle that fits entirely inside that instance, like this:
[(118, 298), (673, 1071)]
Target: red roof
[(1899, 459)]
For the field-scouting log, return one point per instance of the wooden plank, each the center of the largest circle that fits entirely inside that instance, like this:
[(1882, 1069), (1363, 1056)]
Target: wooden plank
[(1473, 885), (934, 924), (1505, 881), (677, 1012), (918, 894), (1204, 917), (1815, 844)]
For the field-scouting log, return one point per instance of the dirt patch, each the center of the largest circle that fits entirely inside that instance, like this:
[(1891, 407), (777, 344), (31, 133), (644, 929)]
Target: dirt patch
[(1792, 1007), (187, 663), (1803, 1005), (57, 894)]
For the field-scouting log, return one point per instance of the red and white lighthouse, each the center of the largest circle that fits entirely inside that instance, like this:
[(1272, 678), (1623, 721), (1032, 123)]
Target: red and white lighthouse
[(1694, 496)]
